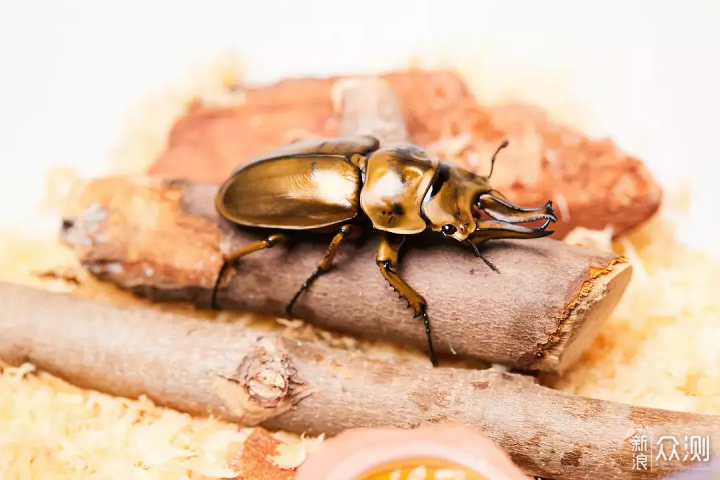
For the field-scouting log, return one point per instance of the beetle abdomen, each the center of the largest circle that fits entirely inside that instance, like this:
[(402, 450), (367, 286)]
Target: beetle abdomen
[(396, 180), (295, 192)]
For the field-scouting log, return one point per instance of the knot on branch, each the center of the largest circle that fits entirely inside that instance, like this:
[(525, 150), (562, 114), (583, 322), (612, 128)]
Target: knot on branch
[(266, 383), (267, 374)]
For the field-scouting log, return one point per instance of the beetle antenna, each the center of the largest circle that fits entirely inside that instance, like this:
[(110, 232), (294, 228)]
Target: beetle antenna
[(492, 161), (489, 264), (479, 255)]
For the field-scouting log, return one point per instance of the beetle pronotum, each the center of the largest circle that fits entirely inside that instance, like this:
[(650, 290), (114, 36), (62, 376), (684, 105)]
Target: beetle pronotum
[(345, 185)]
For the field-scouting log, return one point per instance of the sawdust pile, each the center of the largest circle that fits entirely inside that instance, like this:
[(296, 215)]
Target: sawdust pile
[(660, 347), (53, 429)]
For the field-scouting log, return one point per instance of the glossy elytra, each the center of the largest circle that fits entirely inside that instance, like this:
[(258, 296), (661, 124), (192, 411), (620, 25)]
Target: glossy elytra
[(345, 185)]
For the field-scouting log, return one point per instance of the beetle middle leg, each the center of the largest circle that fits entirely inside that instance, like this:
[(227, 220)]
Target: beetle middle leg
[(269, 242), (387, 260), (346, 232)]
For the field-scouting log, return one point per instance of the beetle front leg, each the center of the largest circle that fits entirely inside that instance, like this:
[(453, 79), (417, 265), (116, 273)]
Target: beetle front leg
[(346, 232), (269, 242), (387, 259)]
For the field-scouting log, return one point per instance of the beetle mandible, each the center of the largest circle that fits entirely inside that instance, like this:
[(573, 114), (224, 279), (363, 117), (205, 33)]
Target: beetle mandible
[(346, 185)]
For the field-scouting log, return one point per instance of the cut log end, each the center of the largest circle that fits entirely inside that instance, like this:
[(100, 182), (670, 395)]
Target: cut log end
[(584, 316)]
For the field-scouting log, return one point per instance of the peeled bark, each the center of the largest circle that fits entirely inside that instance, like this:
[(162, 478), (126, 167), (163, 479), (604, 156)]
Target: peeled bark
[(593, 182), (256, 378)]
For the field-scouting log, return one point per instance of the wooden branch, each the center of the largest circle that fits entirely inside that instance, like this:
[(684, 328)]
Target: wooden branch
[(252, 377), (368, 106), (165, 240)]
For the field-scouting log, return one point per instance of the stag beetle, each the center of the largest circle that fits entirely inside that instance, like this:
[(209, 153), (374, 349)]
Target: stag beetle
[(345, 185)]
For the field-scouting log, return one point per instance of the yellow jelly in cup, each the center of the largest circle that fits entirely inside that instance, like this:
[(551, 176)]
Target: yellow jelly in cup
[(421, 468)]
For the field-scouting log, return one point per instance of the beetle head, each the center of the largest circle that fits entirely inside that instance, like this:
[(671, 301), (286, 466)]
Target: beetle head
[(447, 206), (455, 201)]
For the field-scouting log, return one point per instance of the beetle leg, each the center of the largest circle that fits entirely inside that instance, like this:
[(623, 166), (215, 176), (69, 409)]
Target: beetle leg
[(387, 259), (269, 242), (346, 231)]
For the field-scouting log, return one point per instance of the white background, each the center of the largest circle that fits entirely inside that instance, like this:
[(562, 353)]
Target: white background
[(646, 73)]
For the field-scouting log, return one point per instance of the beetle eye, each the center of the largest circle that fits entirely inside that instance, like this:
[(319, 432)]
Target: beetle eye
[(448, 229)]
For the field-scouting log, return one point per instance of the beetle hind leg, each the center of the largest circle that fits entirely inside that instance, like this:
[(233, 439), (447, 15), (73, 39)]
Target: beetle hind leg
[(346, 231), (387, 260), (269, 242)]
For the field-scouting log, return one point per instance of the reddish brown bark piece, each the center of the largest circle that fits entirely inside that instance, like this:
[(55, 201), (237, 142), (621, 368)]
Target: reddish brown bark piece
[(167, 242), (600, 185), (200, 367), (252, 459)]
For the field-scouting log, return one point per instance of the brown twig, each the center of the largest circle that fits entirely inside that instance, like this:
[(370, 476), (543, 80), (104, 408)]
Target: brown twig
[(253, 377)]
